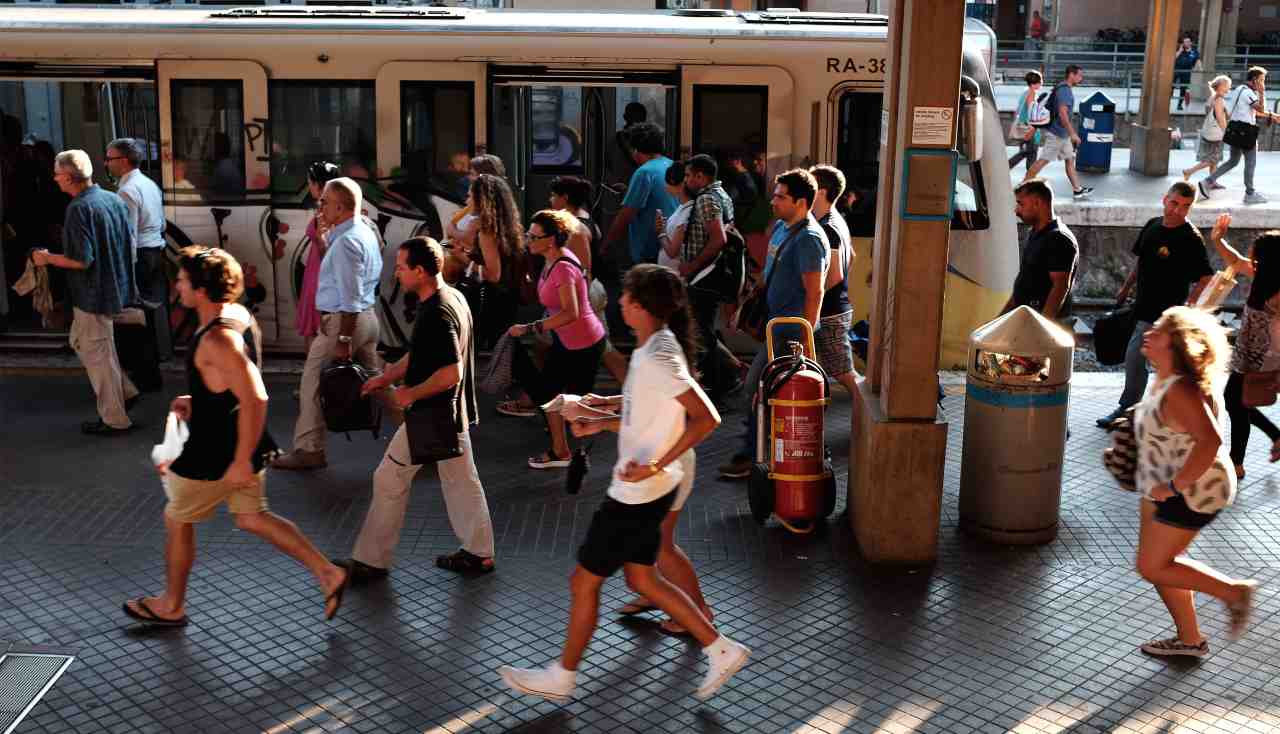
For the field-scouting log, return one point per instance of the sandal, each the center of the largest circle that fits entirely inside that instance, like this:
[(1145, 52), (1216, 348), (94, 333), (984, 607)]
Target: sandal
[(460, 561), (516, 409), (638, 605), (148, 616), (672, 628), (546, 461), (1275, 451), (337, 594)]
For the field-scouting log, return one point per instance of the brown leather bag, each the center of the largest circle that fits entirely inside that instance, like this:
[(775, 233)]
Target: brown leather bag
[(1260, 388)]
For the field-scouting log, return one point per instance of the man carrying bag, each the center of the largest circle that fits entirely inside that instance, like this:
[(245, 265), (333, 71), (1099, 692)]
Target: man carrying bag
[(1242, 133), (439, 398)]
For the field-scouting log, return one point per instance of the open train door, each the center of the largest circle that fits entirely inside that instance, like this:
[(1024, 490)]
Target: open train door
[(216, 174)]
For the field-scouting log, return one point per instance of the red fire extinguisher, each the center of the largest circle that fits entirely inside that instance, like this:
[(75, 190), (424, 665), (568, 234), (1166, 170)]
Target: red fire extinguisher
[(792, 478)]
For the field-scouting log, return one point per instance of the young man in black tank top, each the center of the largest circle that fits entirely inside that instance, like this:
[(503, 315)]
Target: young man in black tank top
[(224, 458)]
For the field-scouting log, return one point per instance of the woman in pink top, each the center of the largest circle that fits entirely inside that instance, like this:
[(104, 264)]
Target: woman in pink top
[(577, 336), (308, 317)]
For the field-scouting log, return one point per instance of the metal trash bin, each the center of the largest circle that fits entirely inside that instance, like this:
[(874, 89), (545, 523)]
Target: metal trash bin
[(1097, 133), (1015, 428)]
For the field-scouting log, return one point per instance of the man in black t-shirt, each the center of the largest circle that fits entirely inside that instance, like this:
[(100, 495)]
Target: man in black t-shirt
[(1048, 258), (440, 362), (1172, 268)]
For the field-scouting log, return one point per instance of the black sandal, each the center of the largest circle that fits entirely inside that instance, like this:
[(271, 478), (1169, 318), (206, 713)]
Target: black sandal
[(145, 615), (461, 561)]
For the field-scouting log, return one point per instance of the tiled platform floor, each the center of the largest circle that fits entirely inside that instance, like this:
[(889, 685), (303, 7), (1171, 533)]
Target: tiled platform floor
[(989, 639)]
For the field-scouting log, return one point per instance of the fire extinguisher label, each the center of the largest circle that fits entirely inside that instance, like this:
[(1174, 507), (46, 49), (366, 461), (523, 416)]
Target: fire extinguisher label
[(779, 450)]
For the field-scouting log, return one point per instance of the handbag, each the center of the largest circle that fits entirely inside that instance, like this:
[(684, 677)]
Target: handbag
[(727, 274), (1111, 335), (753, 316), (1240, 134), (1260, 388), (497, 377), (1121, 458), (432, 429)]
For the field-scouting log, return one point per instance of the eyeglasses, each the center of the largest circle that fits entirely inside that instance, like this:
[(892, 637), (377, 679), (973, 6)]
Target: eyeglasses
[(110, 158), (535, 236)]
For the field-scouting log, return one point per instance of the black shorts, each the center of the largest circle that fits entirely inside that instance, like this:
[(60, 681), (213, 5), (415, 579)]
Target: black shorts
[(1174, 511), (622, 533)]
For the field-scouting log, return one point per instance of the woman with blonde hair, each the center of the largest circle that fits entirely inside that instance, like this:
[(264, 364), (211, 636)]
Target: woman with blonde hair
[(1209, 151), (499, 251), (1185, 475)]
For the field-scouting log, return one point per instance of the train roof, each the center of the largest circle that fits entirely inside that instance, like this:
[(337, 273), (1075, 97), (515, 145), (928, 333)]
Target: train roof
[(421, 19)]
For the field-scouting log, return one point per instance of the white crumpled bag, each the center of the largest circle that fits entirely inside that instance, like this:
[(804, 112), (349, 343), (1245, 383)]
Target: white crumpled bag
[(164, 453)]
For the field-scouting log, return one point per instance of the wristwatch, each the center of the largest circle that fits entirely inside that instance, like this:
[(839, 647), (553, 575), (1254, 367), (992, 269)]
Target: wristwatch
[(344, 339)]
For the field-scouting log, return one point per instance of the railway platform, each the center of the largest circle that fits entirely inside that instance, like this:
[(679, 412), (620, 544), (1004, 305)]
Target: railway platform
[(989, 639)]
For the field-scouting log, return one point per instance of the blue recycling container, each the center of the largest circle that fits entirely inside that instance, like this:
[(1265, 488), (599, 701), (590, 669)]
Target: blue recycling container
[(1097, 133)]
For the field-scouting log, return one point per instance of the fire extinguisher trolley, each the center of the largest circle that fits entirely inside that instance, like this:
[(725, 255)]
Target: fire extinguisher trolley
[(792, 477)]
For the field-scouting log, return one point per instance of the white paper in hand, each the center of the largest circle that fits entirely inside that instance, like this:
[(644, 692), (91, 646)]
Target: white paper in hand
[(163, 454)]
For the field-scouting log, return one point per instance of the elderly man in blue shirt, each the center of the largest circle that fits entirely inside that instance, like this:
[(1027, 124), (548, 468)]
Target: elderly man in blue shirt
[(97, 244), (345, 297)]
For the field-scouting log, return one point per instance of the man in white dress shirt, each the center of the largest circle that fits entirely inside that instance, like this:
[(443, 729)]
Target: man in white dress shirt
[(146, 214)]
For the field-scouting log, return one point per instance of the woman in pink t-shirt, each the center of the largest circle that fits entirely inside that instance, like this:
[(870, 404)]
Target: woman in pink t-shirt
[(577, 336)]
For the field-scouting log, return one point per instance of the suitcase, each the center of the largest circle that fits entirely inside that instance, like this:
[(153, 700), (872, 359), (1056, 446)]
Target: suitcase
[(1111, 335)]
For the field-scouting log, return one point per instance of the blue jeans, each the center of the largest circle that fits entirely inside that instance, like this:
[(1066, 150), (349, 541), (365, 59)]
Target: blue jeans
[(1250, 163), (1135, 367)]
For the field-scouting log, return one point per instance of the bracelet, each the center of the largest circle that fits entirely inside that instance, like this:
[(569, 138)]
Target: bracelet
[(653, 464)]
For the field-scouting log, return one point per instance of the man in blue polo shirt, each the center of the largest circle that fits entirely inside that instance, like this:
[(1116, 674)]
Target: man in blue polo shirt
[(795, 271), (646, 195)]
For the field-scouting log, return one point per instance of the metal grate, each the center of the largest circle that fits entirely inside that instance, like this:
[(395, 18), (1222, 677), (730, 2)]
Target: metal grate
[(24, 679)]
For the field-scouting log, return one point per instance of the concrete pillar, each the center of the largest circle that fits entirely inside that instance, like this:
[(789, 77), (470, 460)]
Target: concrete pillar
[(1210, 27), (1150, 142), (1230, 32), (897, 444)]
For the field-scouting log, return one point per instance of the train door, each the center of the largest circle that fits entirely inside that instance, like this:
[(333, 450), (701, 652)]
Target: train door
[(217, 177), (548, 122), (742, 116), (855, 125)]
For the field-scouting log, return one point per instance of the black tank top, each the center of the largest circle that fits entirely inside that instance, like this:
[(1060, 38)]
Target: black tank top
[(211, 445)]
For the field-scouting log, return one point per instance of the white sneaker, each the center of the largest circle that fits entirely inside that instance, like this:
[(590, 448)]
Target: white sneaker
[(1255, 198), (724, 658), (553, 682)]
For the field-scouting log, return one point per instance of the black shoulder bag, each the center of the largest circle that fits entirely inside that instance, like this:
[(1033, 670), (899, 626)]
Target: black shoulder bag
[(1240, 134)]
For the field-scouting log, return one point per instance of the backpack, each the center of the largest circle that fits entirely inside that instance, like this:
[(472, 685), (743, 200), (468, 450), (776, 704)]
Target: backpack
[(1040, 112), (345, 410), (727, 274)]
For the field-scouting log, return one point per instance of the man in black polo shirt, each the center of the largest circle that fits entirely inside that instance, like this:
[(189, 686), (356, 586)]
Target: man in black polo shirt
[(440, 362), (1171, 261), (1048, 258)]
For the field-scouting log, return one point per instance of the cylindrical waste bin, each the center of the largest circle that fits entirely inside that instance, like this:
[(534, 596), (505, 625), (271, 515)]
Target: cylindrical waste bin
[(1015, 428), (1097, 133)]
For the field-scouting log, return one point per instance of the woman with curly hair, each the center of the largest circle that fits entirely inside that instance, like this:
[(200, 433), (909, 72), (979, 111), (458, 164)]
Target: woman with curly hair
[(499, 250), (1184, 474)]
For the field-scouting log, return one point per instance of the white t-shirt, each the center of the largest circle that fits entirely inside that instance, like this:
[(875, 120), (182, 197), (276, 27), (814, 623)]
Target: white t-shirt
[(678, 218), (1242, 107), (652, 418)]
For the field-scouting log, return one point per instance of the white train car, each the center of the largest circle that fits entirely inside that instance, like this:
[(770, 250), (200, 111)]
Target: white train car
[(237, 102)]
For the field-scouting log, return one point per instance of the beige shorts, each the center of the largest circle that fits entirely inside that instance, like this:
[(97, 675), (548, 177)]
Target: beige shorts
[(195, 500), (1056, 148)]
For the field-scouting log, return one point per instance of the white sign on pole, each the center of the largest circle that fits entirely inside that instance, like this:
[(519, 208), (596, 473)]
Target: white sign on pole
[(931, 125)]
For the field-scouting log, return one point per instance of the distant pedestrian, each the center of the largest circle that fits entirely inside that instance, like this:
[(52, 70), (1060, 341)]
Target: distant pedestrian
[(225, 457), (1183, 476), (345, 297), (97, 244), (438, 374), (1049, 257), (1060, 137), (1171, 260), (1186, 60), (1209, 150), (146, 209), (1021, 132), (646, 195), (1255, 350), (1246, 106), (664, 415), (800, 253)]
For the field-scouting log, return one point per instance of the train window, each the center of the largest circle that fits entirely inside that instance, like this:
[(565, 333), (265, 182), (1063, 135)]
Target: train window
[(315, 121), (208, 144), (437, 134), (858, 157), (729, 119), (555, 126)]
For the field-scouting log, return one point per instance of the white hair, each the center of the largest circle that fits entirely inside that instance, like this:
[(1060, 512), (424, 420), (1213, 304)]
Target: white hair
[(76, 164), (349, 191)]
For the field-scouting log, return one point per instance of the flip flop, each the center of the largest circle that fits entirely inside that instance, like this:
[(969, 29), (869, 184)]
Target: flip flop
[(147, 616), (671, 628), (338, 593), (632, 608)]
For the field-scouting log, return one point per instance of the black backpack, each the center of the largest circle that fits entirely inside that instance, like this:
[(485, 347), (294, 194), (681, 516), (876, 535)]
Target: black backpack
[(344, 409)]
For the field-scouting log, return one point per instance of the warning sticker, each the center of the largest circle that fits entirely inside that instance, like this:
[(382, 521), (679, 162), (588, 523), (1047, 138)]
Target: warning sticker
[(931, 125), (779, 451)]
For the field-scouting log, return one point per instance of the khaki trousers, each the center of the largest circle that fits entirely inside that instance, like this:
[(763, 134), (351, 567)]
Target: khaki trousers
[(93, 339), (309, 434), (463, 499)]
